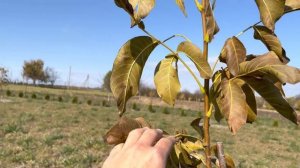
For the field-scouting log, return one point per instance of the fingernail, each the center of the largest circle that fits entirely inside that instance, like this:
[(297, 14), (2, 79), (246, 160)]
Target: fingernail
[(159, 130)]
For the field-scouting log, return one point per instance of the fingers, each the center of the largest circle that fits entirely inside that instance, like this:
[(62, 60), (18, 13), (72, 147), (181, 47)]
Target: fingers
[(164, 146), (116, 149), (150, 137), (134, 136)]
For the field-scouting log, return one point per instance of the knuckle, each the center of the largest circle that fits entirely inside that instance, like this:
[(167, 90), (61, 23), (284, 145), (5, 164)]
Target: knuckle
[(151, 133), (136, 132)]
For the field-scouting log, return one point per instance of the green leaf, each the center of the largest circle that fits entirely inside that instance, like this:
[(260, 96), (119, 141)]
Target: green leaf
[(166, 79), (291, 5), (273, 96), (269, 64), (195, 55), (211, 24), (181, 5), (233, 53), (271, 41), (128, 67), (233, 104), (270, 11), (119, 132)]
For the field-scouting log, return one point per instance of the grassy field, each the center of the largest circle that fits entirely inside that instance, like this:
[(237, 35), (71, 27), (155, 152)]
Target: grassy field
[(35, 132)]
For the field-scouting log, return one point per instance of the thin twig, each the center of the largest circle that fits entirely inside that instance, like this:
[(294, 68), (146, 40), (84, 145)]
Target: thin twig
[(248, 28)]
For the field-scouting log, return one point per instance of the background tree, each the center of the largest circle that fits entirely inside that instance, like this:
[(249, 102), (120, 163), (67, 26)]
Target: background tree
[(34, 70), (50, 75), (3, 76), (106, 82)]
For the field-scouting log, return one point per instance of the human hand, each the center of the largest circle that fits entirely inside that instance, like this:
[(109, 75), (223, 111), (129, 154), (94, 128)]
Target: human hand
[(144, 148)]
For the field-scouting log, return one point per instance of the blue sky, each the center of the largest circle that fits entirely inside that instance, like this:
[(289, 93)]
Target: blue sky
[(87, 34)]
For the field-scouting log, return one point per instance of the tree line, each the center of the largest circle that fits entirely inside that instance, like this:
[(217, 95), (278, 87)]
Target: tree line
[(148, 91), (32, 70)]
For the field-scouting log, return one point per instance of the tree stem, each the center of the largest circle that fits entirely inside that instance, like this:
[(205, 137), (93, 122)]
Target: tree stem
[(221, 155), (205, 3)]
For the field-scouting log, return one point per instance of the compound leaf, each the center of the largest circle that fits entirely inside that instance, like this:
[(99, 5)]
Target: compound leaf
[(233, 53), (166, 79), (269, 64), (195, 55), (271, 41), (270, 11), (128, 67)]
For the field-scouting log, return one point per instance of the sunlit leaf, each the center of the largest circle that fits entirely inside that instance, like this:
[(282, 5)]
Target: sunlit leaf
[(273, 96), (269, 64), (229, 161), (119, 132), (126, 5), (195, 55), (128, 67), (198, 5), (291, 5), (166, 79), (233, 53), (271, 41), (270, 11), (234, 106), (142, 10), (211, 24), (181, 5), (190, 151)]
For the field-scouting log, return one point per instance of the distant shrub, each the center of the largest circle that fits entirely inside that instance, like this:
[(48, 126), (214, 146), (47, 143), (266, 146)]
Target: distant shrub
[(182, 113), (151, 109), (135, 107), (275, 123), (47, 97), (8, 93), (166, 111), (89, 102), (21, 94), (75, 100), (60, 99), (33, 96), (105, 103)]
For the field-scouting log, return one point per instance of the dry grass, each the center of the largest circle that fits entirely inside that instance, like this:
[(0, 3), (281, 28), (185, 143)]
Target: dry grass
[(41, 133)]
